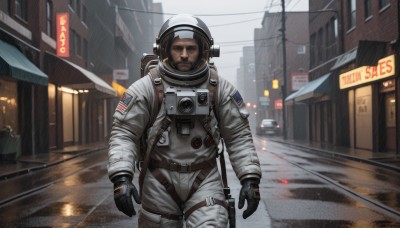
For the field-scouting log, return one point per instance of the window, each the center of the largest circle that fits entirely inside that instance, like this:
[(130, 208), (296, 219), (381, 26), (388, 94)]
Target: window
[(85, 50), (301, 49), (351, 18), (8, 105), (21, 9), (49, 22), (5, 6), (320, 45), (383, 4), (84, 14), (312, 49), (78, 7), (72, 4), (78, 45), (72, 42), (367, 9)]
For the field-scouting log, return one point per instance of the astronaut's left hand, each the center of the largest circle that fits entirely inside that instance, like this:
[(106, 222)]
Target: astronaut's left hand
[(250, 191)]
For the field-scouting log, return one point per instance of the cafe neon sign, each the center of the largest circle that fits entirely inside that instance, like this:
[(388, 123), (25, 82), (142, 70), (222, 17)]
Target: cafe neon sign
[(63, 35)]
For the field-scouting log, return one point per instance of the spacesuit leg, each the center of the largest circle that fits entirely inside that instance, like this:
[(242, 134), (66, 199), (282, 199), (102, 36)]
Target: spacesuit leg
[(213, 215), (151, 220), (208, 216)]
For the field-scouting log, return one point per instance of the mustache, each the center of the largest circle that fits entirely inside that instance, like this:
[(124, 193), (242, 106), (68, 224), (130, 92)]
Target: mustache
[(184, 62)]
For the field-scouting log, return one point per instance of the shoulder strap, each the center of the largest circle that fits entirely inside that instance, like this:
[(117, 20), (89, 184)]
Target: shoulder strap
[(212, 86), (158, 88)]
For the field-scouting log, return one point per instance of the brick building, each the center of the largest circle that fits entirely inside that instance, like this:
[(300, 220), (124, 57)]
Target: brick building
[(50, 100)]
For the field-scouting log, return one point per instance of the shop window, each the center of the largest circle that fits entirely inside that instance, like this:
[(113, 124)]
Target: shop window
[(390, 110), (8, 105)]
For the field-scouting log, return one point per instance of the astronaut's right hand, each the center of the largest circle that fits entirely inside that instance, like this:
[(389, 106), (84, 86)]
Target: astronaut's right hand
[(123, 192)]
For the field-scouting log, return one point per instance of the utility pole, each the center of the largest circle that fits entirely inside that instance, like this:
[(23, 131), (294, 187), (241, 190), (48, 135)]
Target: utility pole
[(284, 132)]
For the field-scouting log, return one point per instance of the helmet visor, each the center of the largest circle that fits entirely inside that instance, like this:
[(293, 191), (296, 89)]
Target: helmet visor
[(170, 60)]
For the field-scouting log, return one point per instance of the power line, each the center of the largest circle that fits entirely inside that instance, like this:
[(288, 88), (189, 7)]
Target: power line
[(200, 15), (238, 22)]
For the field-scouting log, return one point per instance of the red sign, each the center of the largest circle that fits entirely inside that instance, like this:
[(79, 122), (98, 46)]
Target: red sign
[(278, 104), (63, 35)]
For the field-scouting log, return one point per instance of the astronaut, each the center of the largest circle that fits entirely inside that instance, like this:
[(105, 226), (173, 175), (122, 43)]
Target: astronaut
[(179, 180)]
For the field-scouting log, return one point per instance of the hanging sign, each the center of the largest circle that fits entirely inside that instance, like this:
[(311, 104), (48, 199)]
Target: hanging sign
[(63, 35), (121, 74)]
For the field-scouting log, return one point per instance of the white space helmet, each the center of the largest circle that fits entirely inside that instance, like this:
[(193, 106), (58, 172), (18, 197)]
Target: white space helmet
[(185, 26)]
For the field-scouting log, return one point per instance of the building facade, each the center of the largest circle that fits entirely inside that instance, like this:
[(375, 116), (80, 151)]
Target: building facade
[(269, 68), (58, 63), (352, 95)]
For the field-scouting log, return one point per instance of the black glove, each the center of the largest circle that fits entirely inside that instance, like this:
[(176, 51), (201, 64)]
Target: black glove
[(251, 193), (123, 192)]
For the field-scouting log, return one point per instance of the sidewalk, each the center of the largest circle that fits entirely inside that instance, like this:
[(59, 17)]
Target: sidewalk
[(26, 163), (389, 160)]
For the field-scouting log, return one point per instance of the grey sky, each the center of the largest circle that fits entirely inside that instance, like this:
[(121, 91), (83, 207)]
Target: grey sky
[(231, 32)]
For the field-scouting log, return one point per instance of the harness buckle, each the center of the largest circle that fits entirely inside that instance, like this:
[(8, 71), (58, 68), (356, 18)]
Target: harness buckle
[(182, 168), (210, 201), (185, 168)]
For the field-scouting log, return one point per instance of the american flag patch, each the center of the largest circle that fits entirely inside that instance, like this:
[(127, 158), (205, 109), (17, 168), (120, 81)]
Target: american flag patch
[(238, 98), (123, 103)]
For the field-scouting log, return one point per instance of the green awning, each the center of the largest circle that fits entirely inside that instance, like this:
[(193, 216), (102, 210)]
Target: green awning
[(15, 65), (314, 89)]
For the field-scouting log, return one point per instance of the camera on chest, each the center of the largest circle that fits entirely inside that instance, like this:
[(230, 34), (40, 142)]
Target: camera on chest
[(187, 101)]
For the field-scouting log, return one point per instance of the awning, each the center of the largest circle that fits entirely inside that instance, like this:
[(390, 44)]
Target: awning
[(314, 89), (345, 58), (71, 75), (15, 65)]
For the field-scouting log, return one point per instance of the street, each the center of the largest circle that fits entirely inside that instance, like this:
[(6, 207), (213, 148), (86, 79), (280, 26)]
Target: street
[(298, 189)]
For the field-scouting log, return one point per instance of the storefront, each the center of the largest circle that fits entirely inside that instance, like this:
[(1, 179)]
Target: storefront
[(79, 104), (22, 88), (311, 106), (372, 105)]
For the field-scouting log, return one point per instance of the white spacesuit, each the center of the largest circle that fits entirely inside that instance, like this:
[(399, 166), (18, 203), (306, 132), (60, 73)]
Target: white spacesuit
[(179, 180)]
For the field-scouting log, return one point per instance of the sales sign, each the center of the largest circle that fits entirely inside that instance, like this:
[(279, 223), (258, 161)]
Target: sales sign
[(365, 74), (63, 35)]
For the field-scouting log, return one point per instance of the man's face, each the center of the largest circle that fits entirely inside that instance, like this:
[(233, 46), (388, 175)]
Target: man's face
[(184, 53)]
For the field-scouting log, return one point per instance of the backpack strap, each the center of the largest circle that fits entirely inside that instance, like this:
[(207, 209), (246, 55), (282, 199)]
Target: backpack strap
[(158, 89), (159, 96), (212, 87)]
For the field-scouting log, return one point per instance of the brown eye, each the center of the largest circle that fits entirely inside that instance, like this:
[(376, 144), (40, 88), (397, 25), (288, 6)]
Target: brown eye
[(191, 48), (177, 48)]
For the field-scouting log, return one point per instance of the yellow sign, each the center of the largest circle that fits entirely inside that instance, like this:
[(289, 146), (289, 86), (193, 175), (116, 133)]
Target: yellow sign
[(365, 74), (275, 84), (266, 93), (118, 88)]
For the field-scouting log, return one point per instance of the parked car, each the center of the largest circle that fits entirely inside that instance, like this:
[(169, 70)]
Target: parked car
[(268, 127)]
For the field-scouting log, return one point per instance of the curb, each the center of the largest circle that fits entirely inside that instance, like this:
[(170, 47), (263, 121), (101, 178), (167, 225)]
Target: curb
[(342, 155), (23, 171)]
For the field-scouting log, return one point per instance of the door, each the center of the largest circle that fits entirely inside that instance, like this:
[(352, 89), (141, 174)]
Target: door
[(52, 117)]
